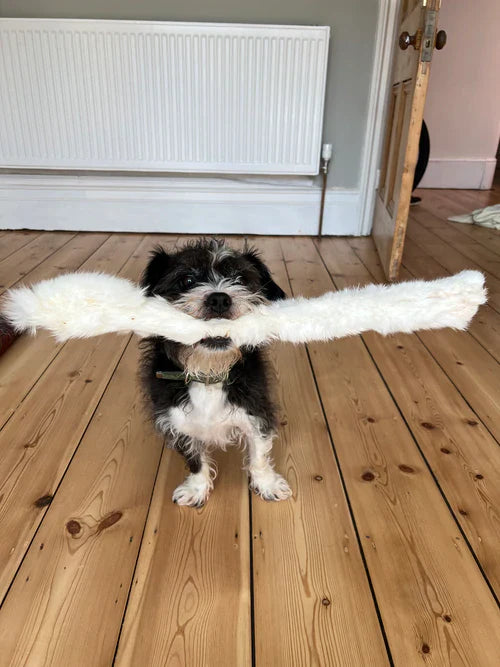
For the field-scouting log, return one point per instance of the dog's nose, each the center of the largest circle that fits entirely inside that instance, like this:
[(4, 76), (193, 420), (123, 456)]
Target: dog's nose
[(219, 302)]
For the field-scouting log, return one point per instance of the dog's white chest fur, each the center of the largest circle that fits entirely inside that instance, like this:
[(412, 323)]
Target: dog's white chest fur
[(208, 416)]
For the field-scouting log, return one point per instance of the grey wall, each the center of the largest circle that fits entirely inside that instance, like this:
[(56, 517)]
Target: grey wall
[(352, 41)]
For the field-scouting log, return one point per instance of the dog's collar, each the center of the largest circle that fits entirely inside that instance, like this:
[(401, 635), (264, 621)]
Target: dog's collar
[(177, 376)]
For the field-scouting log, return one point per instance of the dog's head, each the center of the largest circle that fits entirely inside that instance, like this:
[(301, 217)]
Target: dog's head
[(207, 280)]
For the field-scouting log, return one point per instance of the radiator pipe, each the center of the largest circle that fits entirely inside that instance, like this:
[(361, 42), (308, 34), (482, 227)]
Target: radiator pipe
[(326, 155)]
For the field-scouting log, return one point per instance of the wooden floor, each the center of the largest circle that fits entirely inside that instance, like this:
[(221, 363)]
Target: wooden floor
[(389, 551)]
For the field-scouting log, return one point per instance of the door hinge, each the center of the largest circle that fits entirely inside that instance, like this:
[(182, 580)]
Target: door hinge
[(428, 37)]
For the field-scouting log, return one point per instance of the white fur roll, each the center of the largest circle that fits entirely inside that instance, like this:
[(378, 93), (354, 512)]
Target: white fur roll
[(80, 305)]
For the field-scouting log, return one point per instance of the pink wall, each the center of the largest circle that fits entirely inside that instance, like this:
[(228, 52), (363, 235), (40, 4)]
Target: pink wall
[(463, 103)]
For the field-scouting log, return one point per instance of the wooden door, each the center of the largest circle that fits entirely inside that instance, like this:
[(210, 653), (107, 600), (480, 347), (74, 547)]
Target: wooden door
[(417, 37)]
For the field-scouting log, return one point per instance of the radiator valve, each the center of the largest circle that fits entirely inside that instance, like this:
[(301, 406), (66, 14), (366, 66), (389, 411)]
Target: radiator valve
[(326, 156)]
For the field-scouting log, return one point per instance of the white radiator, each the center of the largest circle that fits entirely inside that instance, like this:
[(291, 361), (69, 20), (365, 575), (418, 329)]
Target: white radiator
[(154, 96)]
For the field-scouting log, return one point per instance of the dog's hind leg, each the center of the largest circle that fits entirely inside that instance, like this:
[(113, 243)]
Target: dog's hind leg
[(264, 480), (195, 489)]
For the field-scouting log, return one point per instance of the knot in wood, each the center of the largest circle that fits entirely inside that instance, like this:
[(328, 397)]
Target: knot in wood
[(43, 501), (73, 527), (109, 520)]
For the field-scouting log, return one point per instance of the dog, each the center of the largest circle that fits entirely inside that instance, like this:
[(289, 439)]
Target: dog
[(212, 393)]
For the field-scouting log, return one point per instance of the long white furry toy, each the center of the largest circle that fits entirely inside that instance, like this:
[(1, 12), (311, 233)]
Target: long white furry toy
[(80, 305)]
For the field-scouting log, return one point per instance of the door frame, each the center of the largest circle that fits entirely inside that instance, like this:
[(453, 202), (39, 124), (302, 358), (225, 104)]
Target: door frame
[(385, 42)]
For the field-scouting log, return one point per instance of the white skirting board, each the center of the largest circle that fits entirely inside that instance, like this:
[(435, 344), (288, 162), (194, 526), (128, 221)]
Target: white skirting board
[(186, 205), (467, 173)]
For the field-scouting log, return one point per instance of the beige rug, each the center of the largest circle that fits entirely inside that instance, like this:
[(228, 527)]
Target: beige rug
[(485, 217)]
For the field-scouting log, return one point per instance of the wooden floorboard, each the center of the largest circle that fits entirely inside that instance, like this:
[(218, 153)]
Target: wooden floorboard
[(40, 438), (485, 257), (451, 259), (387, 550), (73, 254), (467, 362), (421, 568), (455, 254), (309, 577), (190, 599), (12, 241), (438, 205), (462, 454), (27, 358), (18, 264), (66, 603), (485, 327)]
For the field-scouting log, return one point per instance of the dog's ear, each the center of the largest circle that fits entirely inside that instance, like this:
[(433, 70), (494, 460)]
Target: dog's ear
[(270, 289), (157, 267)]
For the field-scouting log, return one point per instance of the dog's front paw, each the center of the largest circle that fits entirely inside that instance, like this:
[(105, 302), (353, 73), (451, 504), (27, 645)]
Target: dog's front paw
[(269, 485), (193, 492)]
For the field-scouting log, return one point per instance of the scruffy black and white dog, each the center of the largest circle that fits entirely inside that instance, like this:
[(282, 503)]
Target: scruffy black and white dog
[(212, 393)]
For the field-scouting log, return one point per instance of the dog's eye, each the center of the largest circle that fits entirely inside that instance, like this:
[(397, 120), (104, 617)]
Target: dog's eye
[(186, 281)]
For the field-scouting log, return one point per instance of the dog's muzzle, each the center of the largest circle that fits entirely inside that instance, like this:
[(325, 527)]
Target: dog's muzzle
[(216, 343)]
